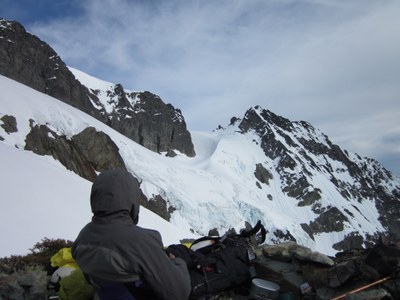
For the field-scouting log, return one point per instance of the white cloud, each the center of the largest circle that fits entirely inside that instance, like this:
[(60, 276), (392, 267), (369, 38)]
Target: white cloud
[(333, 63)]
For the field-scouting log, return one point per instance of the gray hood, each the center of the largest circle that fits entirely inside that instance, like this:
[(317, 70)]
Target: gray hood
[(115, 195)]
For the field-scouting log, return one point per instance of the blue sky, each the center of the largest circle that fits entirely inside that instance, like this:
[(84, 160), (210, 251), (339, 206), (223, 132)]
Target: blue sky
[(333, 63)]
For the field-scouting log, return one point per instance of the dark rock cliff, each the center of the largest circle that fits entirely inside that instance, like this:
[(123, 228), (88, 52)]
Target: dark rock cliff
[(85, 153), (152, 123), (27, 59), (300, 152), (146, 119)]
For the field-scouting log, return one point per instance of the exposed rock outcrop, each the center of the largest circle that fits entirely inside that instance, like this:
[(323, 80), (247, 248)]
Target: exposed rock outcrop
[(43, 141), (84, 154), (98, 148), (159, 206), (262, 174), (9, 124), (146, 119)]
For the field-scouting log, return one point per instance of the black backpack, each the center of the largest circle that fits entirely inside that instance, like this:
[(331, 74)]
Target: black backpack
[(217, 264)]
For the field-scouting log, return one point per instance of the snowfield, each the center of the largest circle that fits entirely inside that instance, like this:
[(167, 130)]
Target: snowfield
[(215, 189)]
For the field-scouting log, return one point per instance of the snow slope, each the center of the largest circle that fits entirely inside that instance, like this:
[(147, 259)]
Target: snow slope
[(39, 197), (215, 189)]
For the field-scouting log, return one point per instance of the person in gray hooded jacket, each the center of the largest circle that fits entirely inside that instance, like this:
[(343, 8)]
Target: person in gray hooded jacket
[(113, 251)]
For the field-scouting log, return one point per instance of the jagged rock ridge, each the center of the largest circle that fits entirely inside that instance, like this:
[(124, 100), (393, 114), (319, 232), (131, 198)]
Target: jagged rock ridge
[(302, 153), (150, 122), (145, 118)]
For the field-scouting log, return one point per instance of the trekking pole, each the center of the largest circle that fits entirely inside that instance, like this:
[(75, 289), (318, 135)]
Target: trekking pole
[(361, 288)]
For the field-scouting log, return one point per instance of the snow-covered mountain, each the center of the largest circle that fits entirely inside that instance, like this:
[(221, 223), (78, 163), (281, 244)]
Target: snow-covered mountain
[(39, 196), (60, 126), (141, 116), (287, 174), (230, 181)]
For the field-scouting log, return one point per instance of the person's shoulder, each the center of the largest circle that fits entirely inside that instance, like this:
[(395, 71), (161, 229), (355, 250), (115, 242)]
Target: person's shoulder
[(150, 234)]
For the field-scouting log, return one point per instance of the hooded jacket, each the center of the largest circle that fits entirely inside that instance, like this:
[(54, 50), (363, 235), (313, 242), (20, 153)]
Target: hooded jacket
[(113, 248)]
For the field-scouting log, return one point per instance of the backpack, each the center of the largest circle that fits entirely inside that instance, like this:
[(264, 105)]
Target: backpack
[(76, 287), (68, 281), (216, 264)]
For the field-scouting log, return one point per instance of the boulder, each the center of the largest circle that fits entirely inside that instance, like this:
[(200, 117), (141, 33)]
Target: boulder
[(85, 153), (290, 250), (44, 141), (29, 284), (98, 148), (9, 124)]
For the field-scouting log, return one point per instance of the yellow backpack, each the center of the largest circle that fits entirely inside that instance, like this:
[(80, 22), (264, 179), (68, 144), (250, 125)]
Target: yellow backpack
[(72, 281)]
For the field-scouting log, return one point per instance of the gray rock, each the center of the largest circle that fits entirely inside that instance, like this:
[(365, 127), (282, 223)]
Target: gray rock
[(340, 273), (283, 273), (151, 123), (305, 254), (262, 174), (98, 148), (43, 141), (286, 251), (24, 285), (84, 154), (9, 124), (158, 205), (372, 294)]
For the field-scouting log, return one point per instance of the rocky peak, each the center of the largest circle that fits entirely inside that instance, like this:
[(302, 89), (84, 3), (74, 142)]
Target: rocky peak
[(122, 99), (258, 119), (27, 59), (300, 153), (146, 119), (149, 121)]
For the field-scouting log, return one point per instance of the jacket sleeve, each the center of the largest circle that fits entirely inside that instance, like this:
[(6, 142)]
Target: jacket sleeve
[(168, 278)]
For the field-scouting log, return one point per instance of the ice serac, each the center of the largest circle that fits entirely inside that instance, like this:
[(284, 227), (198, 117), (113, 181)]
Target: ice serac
[(152, 123), (302, 155)]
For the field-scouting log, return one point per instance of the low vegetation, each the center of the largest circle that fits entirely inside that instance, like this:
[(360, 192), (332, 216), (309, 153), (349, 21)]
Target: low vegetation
[(39, 256)]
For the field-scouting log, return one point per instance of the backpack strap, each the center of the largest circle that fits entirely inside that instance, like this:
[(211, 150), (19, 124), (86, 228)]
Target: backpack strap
[(206, 244), (255, 230)]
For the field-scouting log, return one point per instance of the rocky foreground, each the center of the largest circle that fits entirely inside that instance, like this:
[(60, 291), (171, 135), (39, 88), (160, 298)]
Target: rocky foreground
[(309, 275), (301, 274)]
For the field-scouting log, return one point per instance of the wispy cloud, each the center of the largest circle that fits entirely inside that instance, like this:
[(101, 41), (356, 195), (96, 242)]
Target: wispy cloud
[(333, 63)]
